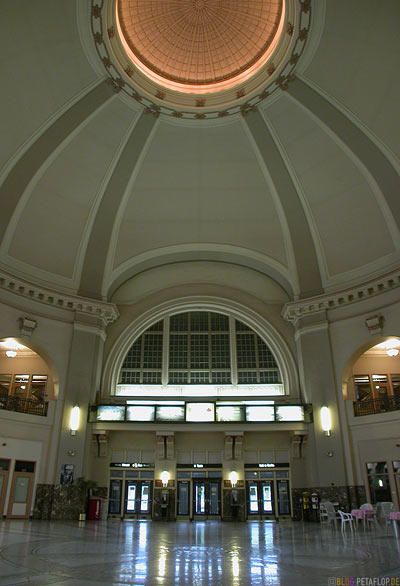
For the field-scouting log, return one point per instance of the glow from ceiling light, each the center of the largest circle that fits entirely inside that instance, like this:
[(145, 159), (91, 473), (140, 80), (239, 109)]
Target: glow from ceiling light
[(12, 344), (391, 343)]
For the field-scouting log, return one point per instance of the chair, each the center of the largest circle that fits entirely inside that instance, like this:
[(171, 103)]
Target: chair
[(371, 517), (383, 511), (346, 518), (329, 512)]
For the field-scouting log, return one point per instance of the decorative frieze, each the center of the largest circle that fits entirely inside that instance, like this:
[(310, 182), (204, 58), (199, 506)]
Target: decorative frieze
[(294, 310), (108, 312)]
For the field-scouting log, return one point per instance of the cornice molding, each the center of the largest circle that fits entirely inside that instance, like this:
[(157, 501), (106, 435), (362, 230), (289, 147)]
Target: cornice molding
[(108, 312), (294, 310)]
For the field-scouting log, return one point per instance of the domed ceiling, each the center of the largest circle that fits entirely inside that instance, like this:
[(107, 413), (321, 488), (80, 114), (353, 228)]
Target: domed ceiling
[(143, 137), (198, 42)]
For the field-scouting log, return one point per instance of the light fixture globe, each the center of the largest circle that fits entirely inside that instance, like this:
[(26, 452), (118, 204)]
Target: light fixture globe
[(392, 352), (165, 476), (233, 477)]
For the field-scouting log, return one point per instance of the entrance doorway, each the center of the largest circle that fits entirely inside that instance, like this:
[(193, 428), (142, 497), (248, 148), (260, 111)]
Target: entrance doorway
[(206, 499), (268, 494), (260, 499), (4, 468), (138, 498), (19, 503)]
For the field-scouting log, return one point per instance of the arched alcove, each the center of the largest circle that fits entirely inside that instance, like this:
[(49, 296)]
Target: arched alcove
[(370, 361), (30, 373)]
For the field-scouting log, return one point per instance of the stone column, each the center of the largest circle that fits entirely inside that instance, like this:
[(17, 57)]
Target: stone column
[(83, 382), (324, 456)]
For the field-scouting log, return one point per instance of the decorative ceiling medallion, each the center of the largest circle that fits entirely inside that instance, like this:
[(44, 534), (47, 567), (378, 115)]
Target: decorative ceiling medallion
[(191, 45), (206, 70)]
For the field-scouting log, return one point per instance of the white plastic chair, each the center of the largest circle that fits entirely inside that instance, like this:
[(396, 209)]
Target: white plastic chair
[(346, 518), (383, 511), (331, 514), (371, 518)]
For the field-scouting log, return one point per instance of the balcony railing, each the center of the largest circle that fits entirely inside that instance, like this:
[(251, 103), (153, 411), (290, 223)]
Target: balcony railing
[(32, 407), (382, 405)]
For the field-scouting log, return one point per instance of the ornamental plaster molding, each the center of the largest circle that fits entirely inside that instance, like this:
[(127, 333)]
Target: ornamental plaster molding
[(108, 312), (294, 310), (156, 100)]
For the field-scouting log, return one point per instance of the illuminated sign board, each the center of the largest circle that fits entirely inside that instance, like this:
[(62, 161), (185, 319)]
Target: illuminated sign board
[(229, 413), (110, 413), (170, 413), (260, 413), (197, 466), (200, 412), (140, 413), (130, 465), (290, 413), (268, 465)]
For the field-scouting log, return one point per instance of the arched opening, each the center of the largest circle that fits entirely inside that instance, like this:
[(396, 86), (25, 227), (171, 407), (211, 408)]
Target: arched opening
[(28, 378), (371, 381), (279, 372), (371, 377)]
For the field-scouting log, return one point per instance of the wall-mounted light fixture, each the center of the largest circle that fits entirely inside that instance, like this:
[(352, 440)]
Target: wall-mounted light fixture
[(11, 353), (165, 478), (74, 420), (233, 477), (326, 423)]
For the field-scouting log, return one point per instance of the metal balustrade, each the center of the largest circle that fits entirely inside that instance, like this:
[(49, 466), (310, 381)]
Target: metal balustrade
[(19, 405), (381, 405)]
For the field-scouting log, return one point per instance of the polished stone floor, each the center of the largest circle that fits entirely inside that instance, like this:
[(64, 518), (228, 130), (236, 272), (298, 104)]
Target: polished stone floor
[(103, 553)]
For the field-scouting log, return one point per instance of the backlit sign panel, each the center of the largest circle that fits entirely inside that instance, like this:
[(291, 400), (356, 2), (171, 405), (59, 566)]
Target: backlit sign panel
[(140, 413), (200, 412), (260, 413)]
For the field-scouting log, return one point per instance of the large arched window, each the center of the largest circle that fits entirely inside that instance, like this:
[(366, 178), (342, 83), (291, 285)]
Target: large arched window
[(199, 348)]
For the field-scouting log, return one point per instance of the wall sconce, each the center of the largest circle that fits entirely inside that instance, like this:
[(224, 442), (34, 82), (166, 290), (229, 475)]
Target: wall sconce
[(233, 477), (74, 420), (11, 353), (326, 420), (165, 478)]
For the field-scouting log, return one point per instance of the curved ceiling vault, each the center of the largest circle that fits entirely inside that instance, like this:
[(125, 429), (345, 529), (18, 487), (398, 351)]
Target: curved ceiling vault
[(289, 168)]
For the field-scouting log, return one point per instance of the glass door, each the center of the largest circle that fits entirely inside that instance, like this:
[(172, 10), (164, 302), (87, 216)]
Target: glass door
[(199, 498), (145, 498), (267, 502), (131, 490), (283, 497), (207, 498), (19, 504), (183, 498), (213, 498), (4, 467), (114, 503), (252, 498)]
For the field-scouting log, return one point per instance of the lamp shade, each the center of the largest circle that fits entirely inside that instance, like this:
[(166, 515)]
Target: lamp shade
[(74, 419), (233, 477), (326, 423), (164, 477)]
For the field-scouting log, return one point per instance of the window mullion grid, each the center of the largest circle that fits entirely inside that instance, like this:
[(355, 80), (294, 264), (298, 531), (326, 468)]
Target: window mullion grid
[(165, 352), (232, 340), (257, 359), (142, 345), (210, 364)]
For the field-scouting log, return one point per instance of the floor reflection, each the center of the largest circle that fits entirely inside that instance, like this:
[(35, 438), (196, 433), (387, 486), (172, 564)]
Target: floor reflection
[(195, 554)]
